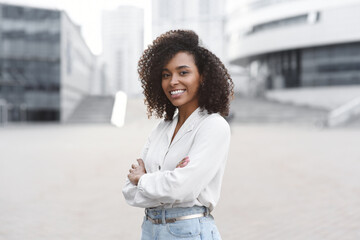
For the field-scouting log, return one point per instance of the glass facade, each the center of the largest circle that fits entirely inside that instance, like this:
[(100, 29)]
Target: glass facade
[(30, 62), (311, 67), (284, 66), (331, 65)]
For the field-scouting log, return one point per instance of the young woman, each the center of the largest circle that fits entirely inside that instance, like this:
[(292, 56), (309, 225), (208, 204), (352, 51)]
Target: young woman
[(178, 177)]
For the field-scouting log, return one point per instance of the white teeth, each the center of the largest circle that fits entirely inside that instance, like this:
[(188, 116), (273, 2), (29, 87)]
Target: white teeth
[(177, 92)]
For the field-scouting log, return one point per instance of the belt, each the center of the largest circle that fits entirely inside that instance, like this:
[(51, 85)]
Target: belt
[(172, 220)]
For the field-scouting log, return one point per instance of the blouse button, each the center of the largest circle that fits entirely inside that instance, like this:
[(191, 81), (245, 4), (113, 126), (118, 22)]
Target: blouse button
[(159, 167)]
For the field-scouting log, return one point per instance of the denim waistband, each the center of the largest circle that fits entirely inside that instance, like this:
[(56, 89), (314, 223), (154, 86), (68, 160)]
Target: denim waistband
[(157, 213)]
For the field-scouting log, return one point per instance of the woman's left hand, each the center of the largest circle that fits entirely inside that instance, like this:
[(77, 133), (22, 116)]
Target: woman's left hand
[(136, 171)]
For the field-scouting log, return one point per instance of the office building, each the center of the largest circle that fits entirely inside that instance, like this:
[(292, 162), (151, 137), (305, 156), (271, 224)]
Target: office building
[(123, 43), (205, 17), (287, 44), (46, 68)]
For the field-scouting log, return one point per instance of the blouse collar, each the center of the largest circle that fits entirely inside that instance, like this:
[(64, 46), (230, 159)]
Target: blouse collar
[(187, 126)]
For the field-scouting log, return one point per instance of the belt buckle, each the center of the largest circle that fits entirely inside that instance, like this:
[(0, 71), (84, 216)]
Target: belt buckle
[(170, 220), (154, 221), (159, 220)]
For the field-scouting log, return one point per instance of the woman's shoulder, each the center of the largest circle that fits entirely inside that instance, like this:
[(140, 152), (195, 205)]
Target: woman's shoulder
[(161, 124), (159, 127), (215, 122)]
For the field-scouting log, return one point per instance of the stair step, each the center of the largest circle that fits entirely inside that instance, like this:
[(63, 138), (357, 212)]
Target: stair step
[(256, 110), (93, 109)]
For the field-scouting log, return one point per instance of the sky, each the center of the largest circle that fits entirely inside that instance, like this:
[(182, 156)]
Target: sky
[(86, 13)]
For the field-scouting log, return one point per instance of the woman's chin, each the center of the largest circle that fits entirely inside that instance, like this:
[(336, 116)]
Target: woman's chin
[(175, 103)]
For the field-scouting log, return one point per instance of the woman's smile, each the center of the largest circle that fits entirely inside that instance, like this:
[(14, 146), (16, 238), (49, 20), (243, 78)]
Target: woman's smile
[(177, 93)]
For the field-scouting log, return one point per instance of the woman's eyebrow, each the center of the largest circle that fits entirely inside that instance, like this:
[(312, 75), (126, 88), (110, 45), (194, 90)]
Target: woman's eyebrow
[(177, 68), (182, 66)]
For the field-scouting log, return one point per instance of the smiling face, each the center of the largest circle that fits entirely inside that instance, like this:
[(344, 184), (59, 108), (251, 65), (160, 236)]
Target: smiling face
[(181, 81)]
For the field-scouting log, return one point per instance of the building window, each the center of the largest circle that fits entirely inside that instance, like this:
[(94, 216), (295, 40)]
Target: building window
[(310, 18), (331, 65)]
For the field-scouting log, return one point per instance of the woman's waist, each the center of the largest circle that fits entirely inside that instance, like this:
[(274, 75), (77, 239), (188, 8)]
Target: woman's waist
[(158, 212)]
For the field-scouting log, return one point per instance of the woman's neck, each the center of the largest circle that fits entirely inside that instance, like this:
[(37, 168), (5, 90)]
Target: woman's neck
[(185, 112)]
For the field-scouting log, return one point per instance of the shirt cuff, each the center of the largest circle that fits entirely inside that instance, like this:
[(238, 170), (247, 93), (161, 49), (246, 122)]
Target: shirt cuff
[(140, 184)]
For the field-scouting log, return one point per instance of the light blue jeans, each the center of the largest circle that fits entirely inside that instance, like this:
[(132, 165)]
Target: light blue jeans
[(197, 228)]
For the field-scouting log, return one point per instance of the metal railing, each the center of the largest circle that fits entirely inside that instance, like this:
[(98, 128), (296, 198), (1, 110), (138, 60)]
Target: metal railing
[(343, 114)]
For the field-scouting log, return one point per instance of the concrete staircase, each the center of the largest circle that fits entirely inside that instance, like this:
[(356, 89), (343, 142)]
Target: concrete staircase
[(354, 123), (342, 102), (257, 110), (93, 109)]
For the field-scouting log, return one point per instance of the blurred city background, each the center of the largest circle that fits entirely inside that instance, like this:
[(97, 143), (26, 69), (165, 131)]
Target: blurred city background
[(68, 74)]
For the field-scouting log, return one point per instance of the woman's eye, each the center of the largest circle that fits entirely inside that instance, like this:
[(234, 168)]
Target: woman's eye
[(165, 75), (183, 73)]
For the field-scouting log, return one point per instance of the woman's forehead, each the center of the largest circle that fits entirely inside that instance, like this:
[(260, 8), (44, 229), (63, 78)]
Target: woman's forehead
[(180, 59)]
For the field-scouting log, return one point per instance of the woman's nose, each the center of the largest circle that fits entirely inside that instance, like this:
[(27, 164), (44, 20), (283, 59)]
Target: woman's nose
[(174, 80)]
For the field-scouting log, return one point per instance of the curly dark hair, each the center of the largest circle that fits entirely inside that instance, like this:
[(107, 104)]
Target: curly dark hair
[(215, 91)]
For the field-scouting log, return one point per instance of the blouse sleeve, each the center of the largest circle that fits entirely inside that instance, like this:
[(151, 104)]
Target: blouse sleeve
[(130, 191), (135, 198), (208, 153)]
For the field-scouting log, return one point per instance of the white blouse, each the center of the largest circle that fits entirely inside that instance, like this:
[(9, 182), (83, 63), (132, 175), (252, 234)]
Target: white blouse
[(205, 139)]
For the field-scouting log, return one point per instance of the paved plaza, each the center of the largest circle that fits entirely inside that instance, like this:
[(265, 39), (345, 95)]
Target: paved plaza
[(283, 182)]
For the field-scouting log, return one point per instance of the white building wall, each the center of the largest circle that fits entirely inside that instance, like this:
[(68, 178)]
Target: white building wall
[(77, 67), (123, 40), (99, 85), (337, 24)]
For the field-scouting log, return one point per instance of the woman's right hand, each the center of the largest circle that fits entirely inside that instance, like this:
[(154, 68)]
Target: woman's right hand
[(136, 171), (183, 163)]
